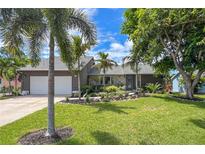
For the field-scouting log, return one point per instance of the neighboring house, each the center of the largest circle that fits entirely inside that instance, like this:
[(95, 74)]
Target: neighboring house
[(124, 76), (35, 79), (5, 83)]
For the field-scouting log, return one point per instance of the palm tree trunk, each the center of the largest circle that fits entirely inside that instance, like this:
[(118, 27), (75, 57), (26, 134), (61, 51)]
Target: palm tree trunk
[(104, 77), (10, 89), (51, 116), (79, 91)]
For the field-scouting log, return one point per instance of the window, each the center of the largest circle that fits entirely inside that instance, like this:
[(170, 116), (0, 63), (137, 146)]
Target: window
[(0, 81)]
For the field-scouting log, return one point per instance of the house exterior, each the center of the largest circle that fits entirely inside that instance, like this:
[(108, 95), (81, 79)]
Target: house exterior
[(35, 79), (4, 83), (124, 76)]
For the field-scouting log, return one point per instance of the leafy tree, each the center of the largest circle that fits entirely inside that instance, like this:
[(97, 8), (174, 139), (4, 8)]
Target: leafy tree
[(9, 66), (78, 49), (174, 34), (38, 26), (104, 63)]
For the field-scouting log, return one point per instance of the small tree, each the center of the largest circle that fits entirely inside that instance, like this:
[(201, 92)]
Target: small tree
[(78, 49), (9, 68), (104, 63)]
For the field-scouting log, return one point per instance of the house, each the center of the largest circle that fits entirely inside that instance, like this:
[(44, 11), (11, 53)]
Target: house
[(35, 79), (124, 76), (14, 83)]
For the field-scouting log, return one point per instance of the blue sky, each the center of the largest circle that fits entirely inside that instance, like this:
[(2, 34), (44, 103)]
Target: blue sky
[(110, 40)]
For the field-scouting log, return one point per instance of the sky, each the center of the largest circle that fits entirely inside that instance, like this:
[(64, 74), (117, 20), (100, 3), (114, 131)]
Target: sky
[(109, 37)]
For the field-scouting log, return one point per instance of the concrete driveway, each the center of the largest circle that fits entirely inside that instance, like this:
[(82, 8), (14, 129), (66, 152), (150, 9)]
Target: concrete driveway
[(17, 107)]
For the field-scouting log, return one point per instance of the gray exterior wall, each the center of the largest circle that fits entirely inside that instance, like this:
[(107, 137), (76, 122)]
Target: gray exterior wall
[(84, 72), (27, 74)]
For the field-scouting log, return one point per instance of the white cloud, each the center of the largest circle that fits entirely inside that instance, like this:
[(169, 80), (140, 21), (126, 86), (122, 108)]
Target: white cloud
[(116, 51), (91, 12)]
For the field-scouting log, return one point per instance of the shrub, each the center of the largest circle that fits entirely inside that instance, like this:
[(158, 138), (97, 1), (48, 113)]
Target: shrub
[(153, 88), (16, 91), (111, 89), (87, 99), (86, 89)]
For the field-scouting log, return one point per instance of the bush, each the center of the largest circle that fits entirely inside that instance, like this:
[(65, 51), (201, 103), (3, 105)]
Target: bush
[(153, 88), (87, 89), (111, 89), (16, 91)]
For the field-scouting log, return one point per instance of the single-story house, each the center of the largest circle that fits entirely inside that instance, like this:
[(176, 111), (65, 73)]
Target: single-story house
[(35, 79)]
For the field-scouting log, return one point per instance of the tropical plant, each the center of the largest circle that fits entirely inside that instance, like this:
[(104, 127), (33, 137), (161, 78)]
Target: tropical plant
[(78, 49), (111, 89), (104, 63), (9, 66), (153, 87), (173, 34), (35, 26)]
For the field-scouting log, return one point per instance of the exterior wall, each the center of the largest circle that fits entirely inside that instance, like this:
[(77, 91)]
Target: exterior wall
[(118, 80), (27, 74), (84, 73), (14, 83), (149, 78)]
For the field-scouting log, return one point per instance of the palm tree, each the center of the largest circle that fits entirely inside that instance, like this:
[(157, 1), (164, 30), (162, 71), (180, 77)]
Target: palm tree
[(128, 61), (104, 63), (78, 49), (35, 26)]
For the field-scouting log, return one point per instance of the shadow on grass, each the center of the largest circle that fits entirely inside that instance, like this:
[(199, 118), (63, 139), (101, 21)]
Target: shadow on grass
[(111, 107), (199, 122), (105, 138), (169, 99)]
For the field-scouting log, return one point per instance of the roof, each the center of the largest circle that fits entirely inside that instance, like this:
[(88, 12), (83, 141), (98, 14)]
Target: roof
[(59, 65), (120, 70)]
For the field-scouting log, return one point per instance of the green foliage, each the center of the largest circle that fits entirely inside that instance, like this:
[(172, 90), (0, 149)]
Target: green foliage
[(153, 87), (87, 89), (104, 62), (111, 89), (87, 99), (168, 39)]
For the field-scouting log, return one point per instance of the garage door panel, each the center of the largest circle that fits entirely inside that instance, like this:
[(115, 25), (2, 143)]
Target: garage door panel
[(39, 85)]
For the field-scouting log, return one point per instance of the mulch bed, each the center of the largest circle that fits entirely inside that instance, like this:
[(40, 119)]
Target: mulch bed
[(39, 138), (195, 99)]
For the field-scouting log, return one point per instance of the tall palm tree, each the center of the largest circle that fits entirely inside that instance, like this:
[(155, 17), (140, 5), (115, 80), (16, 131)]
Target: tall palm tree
[(78, 49), (38, 26), (104, 63), (128, 61)]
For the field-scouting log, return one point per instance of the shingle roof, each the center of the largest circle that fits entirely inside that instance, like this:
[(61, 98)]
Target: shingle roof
[(59, 65), (120, 70)]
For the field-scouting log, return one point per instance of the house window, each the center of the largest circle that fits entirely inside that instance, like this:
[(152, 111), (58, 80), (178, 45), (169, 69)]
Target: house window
[(108, 80), (0, 81)]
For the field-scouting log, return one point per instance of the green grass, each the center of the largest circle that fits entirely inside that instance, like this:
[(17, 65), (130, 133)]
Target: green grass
[(149, 120)]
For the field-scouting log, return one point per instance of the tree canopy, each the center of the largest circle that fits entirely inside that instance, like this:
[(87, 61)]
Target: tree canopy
[(170, 39)]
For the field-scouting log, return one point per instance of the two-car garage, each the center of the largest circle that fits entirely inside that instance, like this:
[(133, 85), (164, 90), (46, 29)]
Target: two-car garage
[(39, 85)]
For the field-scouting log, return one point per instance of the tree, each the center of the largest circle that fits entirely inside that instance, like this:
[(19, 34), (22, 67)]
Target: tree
[(175, 34), (35, 26), (9, 66), (78, 49), (104, 63), (134, 66)]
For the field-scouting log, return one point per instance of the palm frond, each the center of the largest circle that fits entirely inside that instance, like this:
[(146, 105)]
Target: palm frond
[(77, 19)]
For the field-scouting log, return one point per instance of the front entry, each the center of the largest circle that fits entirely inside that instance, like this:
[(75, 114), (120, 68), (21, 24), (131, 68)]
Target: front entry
[(130, 82)]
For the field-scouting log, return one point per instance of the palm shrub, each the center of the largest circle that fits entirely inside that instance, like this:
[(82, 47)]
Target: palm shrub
[(153, 87)]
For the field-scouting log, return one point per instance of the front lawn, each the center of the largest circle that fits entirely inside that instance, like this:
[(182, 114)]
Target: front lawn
[(149, 120)]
